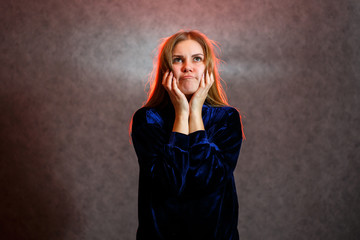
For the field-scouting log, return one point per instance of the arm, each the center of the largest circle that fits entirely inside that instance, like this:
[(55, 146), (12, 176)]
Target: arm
[(197, 102), (213, 156), (180, 103), (163, 161), (188, 115)]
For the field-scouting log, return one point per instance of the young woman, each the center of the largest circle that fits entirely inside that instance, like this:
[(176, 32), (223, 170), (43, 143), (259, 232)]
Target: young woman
[(187, 140)]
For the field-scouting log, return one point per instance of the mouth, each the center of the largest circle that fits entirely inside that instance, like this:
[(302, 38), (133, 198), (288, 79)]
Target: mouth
[(187, 77)]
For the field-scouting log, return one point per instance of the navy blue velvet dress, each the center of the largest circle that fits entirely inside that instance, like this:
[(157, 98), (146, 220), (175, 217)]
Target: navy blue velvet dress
[(186, 185)]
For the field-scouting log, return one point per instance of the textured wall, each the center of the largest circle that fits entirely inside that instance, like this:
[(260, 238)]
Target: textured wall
[(72, 73)]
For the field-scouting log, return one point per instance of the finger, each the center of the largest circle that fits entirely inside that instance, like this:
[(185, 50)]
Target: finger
[(175, 88), (168, 81), (210, 80), (202, 81), (165, 81), (174, 84), (164, 77)]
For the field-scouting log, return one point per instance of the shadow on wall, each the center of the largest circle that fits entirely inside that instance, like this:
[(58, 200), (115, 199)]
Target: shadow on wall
[(33, 205)]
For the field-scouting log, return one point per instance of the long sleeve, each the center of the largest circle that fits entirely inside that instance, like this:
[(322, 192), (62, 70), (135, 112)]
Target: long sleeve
[(186, 182), (214, 153), (163, 158)]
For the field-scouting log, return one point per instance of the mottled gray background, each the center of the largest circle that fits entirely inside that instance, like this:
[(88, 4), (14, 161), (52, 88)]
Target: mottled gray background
[(73, 72)]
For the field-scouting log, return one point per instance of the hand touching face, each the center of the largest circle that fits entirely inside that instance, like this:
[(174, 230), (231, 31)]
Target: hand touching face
[(188, 66)]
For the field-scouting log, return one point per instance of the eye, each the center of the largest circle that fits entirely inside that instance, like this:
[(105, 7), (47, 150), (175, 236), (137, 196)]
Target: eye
[(197, 59), (177, 60)]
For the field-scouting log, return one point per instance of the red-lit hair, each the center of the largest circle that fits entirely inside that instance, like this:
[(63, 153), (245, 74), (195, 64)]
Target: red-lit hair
[(157, 95)]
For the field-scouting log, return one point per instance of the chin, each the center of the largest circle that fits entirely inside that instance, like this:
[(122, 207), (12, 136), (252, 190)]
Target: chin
[(188, 92), (189, 89)]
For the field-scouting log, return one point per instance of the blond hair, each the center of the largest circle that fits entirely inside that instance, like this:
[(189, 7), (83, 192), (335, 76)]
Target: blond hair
[(157, 95)]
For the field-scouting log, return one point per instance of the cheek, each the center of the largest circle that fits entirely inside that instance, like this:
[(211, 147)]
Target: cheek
[(176, 71), (201, 71)]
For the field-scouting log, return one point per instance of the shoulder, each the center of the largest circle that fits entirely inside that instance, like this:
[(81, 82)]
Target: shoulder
[(221, 113), (225, 119), (146, 115)]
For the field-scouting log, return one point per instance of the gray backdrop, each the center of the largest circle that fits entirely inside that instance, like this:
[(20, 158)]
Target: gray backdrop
[(73, 72)]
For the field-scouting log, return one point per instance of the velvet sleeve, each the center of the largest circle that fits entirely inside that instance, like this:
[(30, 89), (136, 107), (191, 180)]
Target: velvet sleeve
[(163, 157), (214, 152)]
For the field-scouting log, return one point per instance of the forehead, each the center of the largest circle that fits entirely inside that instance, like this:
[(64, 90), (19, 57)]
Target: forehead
[(188, 46)]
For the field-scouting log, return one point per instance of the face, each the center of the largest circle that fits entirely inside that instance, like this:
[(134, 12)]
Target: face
[(188, 66)]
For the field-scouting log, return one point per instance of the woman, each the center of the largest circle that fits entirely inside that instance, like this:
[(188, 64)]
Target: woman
[(187, 140)]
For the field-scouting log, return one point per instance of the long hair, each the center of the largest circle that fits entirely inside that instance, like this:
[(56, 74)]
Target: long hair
[(158, 96)]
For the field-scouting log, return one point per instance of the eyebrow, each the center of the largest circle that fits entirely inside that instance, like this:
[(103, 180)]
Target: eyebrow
[(194, 55)]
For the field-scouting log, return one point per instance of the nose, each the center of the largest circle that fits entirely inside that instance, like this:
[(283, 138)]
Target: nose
[(187, 67)]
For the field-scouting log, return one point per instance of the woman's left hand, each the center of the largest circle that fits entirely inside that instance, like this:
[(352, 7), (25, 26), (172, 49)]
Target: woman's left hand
[(199, 97)]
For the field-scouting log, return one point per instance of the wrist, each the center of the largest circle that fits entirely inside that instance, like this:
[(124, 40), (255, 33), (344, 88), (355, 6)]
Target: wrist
[(196, 113), (195, 122), (196, 107), (183, 115), (181, 124)]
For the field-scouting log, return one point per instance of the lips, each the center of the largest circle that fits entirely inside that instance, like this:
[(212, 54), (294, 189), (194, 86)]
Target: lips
[(187, 77)]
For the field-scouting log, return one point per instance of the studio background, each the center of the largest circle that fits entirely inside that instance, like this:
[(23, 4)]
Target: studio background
[(73, 72)]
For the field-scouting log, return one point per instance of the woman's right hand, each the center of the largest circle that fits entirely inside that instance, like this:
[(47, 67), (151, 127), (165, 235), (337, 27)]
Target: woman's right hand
[(180, 103), (178, 99)]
